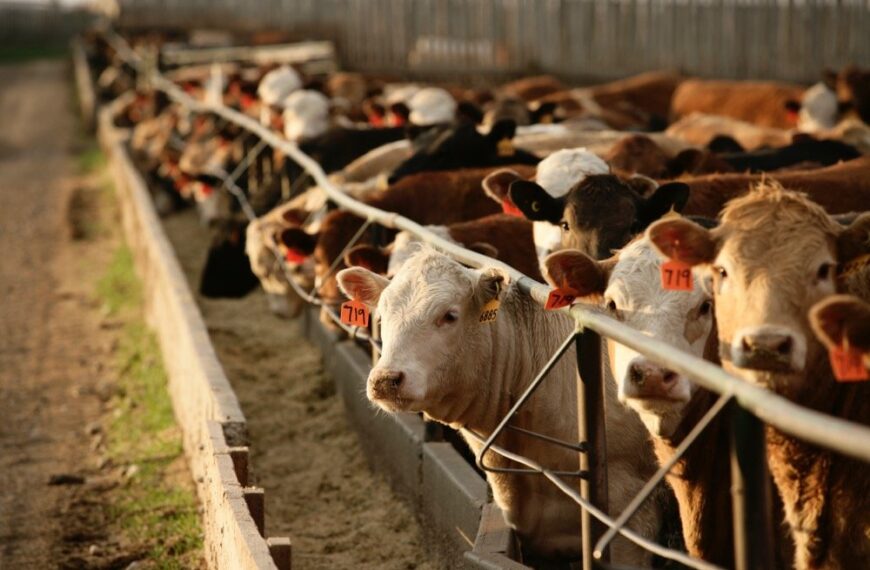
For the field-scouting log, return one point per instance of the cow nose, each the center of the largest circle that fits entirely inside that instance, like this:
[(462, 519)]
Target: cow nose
[(643, 373), (773, 343), (386, 382)]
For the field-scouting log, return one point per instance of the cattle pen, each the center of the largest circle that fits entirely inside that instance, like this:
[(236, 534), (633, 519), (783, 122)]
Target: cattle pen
[(240, 536)]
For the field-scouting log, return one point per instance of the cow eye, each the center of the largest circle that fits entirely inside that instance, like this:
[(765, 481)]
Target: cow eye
[(705, 308), (448, 318), (565, 226), (824, 272), (611, 306), (720, 271)]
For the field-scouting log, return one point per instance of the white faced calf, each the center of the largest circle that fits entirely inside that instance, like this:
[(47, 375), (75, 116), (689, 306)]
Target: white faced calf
[(439, 359), (629, 288)]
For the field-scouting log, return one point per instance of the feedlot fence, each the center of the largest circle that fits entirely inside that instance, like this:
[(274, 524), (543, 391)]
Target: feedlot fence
[(593, 39), (749, 407)]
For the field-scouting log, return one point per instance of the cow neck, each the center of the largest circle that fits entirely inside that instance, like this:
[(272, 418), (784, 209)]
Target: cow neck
[(805, 475), (518, 345), (701, 482)]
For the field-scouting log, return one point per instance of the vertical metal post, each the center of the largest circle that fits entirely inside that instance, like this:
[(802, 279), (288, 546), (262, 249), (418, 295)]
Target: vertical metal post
[(750, 492), (590, 425)]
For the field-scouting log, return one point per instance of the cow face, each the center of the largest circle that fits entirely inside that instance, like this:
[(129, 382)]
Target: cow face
[(462, 146), (628, 287), (600, 214), (430, 320), (774, 256)]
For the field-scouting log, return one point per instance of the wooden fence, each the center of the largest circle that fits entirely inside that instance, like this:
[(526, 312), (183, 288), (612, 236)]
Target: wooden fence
[(780, 39)]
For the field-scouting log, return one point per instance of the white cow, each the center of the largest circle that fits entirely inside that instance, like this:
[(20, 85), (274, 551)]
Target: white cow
[(629, 288), (439, 359)]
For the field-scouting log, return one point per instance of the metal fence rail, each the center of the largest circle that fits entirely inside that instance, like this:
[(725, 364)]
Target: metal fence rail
[(779, 39), (754, 404)]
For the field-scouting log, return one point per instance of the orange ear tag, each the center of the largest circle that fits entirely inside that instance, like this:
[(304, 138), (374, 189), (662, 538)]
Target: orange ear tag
[(294, 256), (560, 297), (355, 314), (848, 364), (676, 276), (511, 209), (489, 312)]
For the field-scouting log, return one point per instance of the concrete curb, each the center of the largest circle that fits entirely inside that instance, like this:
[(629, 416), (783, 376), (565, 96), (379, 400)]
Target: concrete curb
[(87, 95), (205, 405)]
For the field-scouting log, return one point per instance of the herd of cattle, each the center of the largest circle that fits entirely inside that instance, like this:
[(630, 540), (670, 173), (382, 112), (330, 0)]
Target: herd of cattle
[(759, 187)]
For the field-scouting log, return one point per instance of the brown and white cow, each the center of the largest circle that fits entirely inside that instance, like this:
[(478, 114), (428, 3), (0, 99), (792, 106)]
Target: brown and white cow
[(439, 359), (628, 287), (774, 255)]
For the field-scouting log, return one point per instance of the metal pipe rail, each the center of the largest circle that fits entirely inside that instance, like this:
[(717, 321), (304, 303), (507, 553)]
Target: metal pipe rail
[(829, 432)]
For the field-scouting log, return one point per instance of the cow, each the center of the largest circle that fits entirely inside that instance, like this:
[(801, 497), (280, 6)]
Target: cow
[(627, 287), (843, 321), (700, 129), (462, 146), (500, 236), (433, 198), (773, 256), (575, 202), (761, 103), (439, 359)]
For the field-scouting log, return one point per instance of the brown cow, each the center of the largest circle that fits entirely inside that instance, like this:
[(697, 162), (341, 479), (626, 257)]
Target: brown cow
[(500, 236), (840, 188), (773, 256), (430, 198), (762, 103)]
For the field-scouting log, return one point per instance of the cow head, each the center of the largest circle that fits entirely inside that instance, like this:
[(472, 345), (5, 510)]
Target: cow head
[(598, 215), (628, 287), (462, 146), (774, 255), (430, 313), (227, 271)]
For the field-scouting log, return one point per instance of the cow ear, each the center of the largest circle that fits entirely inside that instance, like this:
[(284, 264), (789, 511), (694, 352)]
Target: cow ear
[(687, 161), (573, 269), (401, 111), (545, 113), (643, 185), (298, 241), (501, 130), (682, 240), (362, 285), (369, 257), (294, 216), (667, 197), (792, 106), (497, 183), (854, 241), (491, 284), (535, 203), (842, 317), (484, 248), (468, 112)]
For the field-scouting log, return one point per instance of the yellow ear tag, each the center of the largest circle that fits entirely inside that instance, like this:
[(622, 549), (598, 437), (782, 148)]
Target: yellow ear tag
[(506, 147), (489, 312)]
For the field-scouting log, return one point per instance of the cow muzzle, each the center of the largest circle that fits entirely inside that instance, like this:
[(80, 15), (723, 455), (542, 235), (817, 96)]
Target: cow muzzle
[(767, 348), (646, 380), (385, 386)]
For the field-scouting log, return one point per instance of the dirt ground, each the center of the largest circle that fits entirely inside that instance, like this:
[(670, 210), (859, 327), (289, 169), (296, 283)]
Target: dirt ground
[(57, 343), (319, 490)]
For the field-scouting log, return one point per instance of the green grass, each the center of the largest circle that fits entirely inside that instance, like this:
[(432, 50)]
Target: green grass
[(10, 54), (90, 159), (150, 508)]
